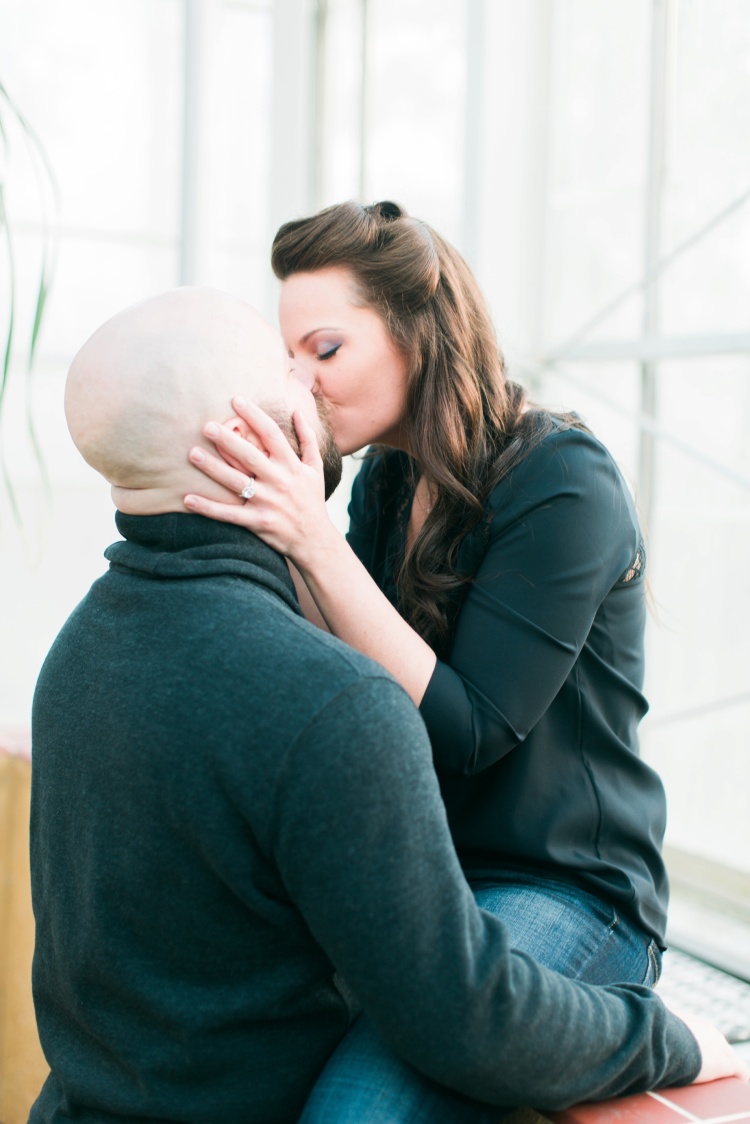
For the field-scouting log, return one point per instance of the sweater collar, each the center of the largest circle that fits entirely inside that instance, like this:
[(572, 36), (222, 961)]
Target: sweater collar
[(180, 545)]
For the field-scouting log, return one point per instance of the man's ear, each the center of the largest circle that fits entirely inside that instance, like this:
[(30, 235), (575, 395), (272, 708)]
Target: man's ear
[(242, 429), (237, 425)]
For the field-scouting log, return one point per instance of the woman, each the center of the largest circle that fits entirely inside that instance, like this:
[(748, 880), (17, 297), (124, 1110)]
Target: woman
[(494, 564)]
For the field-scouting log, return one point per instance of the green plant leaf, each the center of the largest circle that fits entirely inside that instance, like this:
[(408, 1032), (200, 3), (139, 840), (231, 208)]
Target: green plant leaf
[(47, 187), (5, 227)]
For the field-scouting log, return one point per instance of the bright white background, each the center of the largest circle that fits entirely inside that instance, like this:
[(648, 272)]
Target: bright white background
[(565, 146)]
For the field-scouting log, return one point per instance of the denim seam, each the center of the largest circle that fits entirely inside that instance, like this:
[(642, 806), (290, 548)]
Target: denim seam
[(606, 936), (654, 965)]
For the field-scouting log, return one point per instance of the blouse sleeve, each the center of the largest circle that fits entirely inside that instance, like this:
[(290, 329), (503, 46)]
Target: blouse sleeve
[(563, 532)]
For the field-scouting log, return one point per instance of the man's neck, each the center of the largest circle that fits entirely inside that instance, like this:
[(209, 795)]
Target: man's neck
[(146, 501)]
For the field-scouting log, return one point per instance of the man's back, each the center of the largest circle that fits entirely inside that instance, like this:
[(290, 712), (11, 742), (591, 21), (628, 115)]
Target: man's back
[(174, 977), (226, 804)]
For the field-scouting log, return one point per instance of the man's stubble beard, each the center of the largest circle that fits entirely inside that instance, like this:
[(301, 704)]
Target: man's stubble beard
[(329, 450)]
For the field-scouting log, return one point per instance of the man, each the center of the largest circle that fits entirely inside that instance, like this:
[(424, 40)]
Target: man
[(236, 827)]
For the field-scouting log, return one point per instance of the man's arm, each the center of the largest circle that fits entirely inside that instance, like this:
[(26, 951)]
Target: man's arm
[(362, 843)]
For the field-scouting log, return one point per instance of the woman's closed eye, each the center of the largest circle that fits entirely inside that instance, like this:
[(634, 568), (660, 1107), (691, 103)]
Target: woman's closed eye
[(328, 352)]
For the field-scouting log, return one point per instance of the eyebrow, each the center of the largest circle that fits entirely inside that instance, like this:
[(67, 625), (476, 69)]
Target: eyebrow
[(312, 332)]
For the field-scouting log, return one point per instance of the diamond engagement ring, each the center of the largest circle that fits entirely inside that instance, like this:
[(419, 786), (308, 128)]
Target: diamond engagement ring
[(248, 491)]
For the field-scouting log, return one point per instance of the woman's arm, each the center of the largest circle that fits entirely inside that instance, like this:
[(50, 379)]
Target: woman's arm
[(563, 532), (357, 612), (311, 611), (288, 513)]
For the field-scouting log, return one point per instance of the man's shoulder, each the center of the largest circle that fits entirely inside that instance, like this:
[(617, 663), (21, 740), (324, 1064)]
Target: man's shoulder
[(327, 669), (320, 721), (225, 632), (298, 673)]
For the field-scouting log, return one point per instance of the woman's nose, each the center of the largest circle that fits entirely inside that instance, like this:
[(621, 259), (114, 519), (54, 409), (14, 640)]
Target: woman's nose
[(304, 374)]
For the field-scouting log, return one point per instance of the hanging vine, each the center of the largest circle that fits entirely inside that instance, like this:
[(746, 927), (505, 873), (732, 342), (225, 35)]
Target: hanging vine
[(14, 127)]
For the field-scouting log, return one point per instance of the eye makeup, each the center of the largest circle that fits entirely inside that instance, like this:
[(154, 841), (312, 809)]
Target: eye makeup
[(327, 350)]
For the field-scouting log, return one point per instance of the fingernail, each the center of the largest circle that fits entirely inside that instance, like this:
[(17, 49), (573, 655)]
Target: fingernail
[(240, 402), (211, 430), (197, 456), (190, 501)]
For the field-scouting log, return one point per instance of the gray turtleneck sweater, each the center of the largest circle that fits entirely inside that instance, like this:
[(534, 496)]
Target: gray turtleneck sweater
[(237, 828)]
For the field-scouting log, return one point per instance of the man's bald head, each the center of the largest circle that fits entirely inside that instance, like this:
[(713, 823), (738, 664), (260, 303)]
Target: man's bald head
[(143, 386)]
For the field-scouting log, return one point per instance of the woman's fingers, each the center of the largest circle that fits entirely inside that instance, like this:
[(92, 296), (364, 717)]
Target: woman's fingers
[(308, 440), (241, 453), (241, 514), (286, 491), (219, 470), (269, 433)]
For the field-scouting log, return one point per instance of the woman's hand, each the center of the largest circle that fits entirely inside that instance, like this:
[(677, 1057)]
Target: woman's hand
[(718, 1058), (287, 505), (287, 510)]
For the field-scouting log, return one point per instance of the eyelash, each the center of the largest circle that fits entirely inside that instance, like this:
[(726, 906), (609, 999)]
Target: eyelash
[(330, 353)]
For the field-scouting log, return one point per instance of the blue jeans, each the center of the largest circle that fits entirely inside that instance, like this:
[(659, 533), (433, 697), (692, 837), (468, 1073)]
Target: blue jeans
[(561, 926)]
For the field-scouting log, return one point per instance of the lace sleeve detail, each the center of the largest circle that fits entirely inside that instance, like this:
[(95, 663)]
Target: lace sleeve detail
[(637, 566)]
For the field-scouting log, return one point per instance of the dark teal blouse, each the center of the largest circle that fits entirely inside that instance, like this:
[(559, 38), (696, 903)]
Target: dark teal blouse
[(533, 714)]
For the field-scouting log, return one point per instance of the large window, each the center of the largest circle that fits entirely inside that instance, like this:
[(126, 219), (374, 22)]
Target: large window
[(646, 327), (591, 161), (156, 117), (613, 138)]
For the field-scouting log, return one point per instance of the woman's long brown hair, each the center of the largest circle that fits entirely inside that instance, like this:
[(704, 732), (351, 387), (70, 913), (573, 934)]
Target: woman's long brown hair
[(468, 424)]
